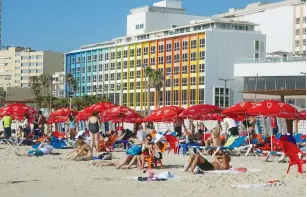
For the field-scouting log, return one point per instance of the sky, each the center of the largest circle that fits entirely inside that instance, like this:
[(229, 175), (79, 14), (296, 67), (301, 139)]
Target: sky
[(64, 25)]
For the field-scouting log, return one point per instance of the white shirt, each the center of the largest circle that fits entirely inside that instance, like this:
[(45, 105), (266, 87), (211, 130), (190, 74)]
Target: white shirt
[(25, 123), (141, 135), (231, 123), (46, 149)]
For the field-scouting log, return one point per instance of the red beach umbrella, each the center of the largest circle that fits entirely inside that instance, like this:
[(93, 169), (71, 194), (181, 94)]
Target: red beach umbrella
[(164, 114), (17, 111), (197, 110), (272, 108), (238, 109), (63, 112), (119, 112), (100, 107)]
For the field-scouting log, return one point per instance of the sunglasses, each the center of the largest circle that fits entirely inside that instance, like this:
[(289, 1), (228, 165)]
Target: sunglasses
[(148, 139)]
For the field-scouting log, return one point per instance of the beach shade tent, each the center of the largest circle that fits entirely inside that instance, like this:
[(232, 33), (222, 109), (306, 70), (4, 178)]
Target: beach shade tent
[(164, 114), (272, 108), (17, 111), (119, 113), (63, 112), (56, 119), (100, 107), (211, 116), (198, 110), (237, 109)]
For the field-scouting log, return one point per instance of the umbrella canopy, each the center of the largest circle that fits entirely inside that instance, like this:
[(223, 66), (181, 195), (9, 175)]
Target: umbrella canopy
[(63, 112), (199, 110), (238, 109), (119, 112), (83, 115), (56, 119), (210, 116), (272, 108), (302, 115), (17, 111), (164, 114), (100, 107)]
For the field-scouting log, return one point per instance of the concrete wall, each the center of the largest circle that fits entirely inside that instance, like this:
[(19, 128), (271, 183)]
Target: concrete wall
[(223, 47), (269, 69), (19, 94)]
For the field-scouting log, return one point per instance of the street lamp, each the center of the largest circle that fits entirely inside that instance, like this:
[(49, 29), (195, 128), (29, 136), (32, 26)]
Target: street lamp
[(225, 81)]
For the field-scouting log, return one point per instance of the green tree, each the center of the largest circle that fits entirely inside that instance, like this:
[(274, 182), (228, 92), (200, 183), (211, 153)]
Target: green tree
[(71, 82), (36, 87), (157, 80)]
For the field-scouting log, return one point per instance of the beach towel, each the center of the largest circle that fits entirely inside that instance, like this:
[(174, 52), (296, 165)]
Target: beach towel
[(35, 152), (134, 150)]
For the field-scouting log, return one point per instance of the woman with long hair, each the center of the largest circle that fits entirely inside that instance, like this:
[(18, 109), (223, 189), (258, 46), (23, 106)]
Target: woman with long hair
[(93, 126), (72, 127)]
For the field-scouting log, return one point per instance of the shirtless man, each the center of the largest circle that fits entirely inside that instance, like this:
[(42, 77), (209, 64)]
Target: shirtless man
[(220, 163)]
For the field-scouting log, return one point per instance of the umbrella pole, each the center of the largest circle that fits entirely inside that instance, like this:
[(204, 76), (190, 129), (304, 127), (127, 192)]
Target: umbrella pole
[(249, 140), (271, 129)]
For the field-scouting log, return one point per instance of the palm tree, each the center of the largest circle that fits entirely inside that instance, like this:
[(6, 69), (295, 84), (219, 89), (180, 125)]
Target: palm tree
[(71, 81), (157, 80), (36, 88)]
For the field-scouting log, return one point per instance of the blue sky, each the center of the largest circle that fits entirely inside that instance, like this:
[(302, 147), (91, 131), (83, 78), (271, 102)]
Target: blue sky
[(63, 25)]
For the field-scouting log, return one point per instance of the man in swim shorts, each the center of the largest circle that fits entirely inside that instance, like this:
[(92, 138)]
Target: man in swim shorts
[(220, 163)]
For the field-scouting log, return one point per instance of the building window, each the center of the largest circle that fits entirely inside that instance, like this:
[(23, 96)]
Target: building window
[(141, 26), (153, 49), (176, 70), (83, 59), (94, 78), (131, 63), (202, 55), (304, 42), (161, 48), (184, 82), (185, 45), (297, 20), (256, 55), (132, 53), (201, 80), (184, 57), (112, 55), (119, 54), (88, 78), (119, 65), (138, 74), (82, 69), (256, 45), (112, 76), (168, 71), (94, 68), (106, 67), (106, 56), (169, 59), (94, 58), (184, 69), (99, 77), (145, 62), (176, 82), (304, 30), (112, 66), (201, 96), (125, 64), (193, 81), (219, 97), (176, 58), (160, 60), (152, 61), (202, 42), (100, 67), (168, 83), (118, 76), (125, 53), (177, 46), (193, 44), (201, 67), (145, 51), (131, 74), (192, 96), (138, 52), (78, 60), (297, 31), (193, 56), (304, 19), (193, 68), (137, 27), (100, 57), (297, 43), (138, 63), (89, 69), (168, 47), (167, 97), (125, 75)]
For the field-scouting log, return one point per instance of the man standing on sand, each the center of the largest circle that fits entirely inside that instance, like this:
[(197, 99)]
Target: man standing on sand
[(6, 123)]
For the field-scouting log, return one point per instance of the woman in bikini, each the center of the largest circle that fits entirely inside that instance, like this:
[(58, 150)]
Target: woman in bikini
[(72, 127), (220, 163), (93, 126), (83, 152)]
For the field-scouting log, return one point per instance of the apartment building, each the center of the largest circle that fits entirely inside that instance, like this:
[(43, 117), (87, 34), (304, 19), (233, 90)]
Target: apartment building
[(18, 64), (284, 23), (58, 80), (192, 58)]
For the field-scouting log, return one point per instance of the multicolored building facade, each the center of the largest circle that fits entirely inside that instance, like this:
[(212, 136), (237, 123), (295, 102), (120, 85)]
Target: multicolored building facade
[(116, 68)]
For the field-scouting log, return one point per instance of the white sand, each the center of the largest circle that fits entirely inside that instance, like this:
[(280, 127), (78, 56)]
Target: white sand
[(58, 177)]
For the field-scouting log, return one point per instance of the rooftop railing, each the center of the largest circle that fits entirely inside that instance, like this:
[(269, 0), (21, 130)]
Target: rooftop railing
[(270, 60)]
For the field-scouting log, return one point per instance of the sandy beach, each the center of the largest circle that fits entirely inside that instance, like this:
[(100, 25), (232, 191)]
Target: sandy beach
[(50, 176)]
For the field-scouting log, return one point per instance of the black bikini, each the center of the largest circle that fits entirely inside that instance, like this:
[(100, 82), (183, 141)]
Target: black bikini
[(206, 166)]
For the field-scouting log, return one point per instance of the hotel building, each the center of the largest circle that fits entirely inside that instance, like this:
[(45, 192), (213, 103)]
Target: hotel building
[(191, 57)]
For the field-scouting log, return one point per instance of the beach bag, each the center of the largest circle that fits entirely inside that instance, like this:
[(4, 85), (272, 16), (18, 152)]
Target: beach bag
[(35, 152), (105, 156), (134, 150)]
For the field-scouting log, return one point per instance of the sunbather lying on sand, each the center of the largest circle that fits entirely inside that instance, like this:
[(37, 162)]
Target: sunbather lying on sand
[(220, 163), (83, 152)]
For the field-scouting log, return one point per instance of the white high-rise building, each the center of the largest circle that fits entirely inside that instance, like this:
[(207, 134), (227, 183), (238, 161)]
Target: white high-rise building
[(284, 23), (161, 15)]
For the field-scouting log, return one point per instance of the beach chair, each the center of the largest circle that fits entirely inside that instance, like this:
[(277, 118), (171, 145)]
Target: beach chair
[(150, 161), (298, 137), (295, 155), (110, 144), (172, 141)]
